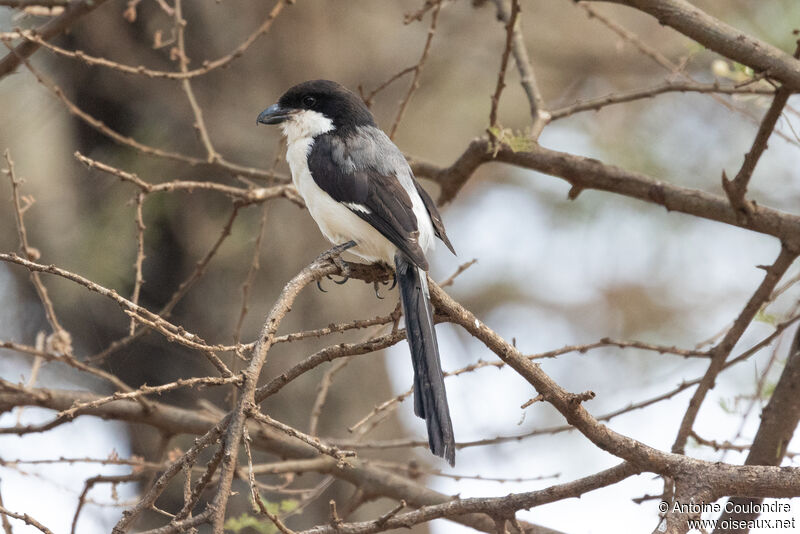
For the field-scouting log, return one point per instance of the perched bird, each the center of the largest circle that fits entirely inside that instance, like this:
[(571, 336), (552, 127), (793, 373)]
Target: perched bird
[(361, 192)]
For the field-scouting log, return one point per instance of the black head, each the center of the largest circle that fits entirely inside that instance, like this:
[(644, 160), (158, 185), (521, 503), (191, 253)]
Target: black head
[(331, 99)]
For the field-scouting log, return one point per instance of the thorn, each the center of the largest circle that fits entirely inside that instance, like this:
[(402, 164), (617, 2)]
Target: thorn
[(574, 192)]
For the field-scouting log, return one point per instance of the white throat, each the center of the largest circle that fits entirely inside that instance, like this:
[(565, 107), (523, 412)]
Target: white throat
[(306, 124)]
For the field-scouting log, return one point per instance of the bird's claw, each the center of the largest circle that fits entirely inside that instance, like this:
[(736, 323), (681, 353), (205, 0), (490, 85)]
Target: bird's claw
[(375, 285), (333, 255)]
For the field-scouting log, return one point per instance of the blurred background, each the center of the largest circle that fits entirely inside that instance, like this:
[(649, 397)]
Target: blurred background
[(550, 272)]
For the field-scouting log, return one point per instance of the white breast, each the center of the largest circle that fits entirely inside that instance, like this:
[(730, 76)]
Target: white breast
[(337, 222)]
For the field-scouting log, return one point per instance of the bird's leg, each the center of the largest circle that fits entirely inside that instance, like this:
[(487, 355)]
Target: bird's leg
[(334, 255)]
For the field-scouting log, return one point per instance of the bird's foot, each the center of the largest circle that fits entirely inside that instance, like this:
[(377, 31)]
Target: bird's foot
[(334, 255)]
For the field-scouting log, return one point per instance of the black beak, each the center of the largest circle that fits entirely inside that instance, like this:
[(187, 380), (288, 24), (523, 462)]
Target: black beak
[(274, 114)]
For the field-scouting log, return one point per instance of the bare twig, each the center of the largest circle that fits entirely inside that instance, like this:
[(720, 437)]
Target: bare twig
[(149, 390), (72, 12), (721, 351), (91, 482), (244, 196), (598, 103), (138, 279), (186, 84), (508, 504), (202, 483), (718, 36), (510, 21), (128, 306), (248, 399), (4, 519), (674, 68), (589, 173), (728, 446), (417, 69), (779, 420), (248, 283), (333, 452), (148, 499), (101, 127), (207, 66), (539, 116), (62, 338), (51, 356), (322, 395), (736, 189), (370, 97), (165, 311), (26, 518)]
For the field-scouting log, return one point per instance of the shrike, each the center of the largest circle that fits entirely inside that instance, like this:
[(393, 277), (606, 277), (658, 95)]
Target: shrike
[(358, 187)]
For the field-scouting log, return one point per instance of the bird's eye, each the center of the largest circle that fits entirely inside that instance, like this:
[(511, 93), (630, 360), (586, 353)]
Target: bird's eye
[(309, 101)]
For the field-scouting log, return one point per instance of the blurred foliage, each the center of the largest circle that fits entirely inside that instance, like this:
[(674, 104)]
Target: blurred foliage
[(247, 523)]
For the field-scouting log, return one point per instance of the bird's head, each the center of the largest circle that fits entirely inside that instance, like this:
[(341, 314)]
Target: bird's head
[(316, 107)]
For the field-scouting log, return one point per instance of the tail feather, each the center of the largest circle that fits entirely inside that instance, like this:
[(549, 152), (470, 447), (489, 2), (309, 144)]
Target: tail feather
[(430, 397)]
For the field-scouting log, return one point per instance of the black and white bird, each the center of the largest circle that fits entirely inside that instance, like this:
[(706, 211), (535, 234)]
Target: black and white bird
[(359, 187)]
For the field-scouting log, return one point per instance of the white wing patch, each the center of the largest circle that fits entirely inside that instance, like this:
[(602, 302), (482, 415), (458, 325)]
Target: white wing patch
[(357, 207)]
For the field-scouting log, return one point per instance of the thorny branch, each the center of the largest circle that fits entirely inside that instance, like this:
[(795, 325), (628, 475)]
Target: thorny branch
[(737, 188), (720, 352), (539, 116), (511, 21), (56, 26), (416, 69)]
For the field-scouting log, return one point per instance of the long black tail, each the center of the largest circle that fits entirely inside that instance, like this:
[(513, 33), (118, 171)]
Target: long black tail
[(430, 397)]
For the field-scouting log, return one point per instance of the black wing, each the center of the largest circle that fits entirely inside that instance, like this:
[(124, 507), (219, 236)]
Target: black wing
[(436, 219), (377, 197)]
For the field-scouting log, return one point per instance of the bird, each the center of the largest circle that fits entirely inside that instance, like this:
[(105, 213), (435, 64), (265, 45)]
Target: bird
[(361, 192)]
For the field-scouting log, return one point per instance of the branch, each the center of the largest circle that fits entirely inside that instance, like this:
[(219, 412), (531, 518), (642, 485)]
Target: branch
[(186, 84), (598, 103), (244, 196), (26, 518), (717, 478), (417, 69), (184, 421), (129, 307), (588, 173), (247, 397), (504, 506), (779, 420), (737, 188), (722, 38), (539, 115), (720, 352), (4, 519), (72, 12), (62, 338), (101, 127), (510, 20)]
